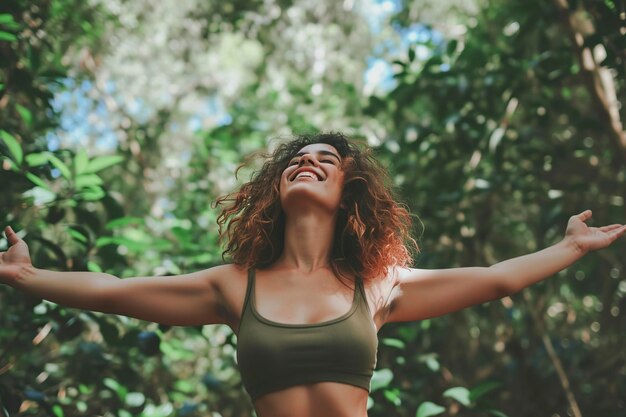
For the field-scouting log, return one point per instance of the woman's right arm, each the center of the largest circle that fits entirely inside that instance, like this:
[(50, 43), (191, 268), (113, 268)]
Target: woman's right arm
[(190, 299)]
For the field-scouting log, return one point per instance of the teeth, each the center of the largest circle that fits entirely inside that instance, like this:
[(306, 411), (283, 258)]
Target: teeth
[(306, 174)]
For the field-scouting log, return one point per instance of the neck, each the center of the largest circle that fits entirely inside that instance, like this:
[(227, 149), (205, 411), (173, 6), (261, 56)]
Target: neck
[(308, 242)]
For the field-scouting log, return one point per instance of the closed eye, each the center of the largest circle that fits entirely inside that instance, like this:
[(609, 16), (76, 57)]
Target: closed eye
[(324, 161)]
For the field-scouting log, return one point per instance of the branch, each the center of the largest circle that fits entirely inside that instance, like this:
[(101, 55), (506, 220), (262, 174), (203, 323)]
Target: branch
[(562, 375), (590, 72), (556, 362)]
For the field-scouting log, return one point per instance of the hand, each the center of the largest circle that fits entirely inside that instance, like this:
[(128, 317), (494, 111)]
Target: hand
[(591, 238), (15, 258)]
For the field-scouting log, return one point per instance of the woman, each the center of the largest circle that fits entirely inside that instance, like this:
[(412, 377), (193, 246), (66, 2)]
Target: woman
[(320, 263)]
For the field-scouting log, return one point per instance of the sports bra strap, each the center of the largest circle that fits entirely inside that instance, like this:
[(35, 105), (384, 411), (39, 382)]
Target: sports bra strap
[(360, 284), (360, 292), (249, 290), (250, 284)]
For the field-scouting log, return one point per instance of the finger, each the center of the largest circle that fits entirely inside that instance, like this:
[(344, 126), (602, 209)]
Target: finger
[(609, 227), (614, 234), (11, 235), (584, 215)]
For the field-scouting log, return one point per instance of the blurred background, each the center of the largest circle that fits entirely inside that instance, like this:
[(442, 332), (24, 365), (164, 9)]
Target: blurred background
[(121, 121)]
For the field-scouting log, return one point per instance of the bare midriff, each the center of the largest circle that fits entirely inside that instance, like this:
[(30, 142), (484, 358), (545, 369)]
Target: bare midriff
[(321, 399)]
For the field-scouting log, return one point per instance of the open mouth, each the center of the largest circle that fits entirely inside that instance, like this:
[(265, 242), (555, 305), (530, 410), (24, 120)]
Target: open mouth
[(307, 174)]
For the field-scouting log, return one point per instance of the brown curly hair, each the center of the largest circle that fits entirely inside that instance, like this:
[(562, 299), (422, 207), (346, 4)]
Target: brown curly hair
[(372, 232)]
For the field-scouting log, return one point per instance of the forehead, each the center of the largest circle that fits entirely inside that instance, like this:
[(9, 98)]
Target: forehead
[(318, 147)]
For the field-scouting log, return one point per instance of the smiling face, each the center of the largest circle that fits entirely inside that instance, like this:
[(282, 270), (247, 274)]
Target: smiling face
[(313, 175)]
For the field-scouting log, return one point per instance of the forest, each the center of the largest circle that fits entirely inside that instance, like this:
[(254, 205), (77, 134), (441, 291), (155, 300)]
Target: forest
[(122, 121)]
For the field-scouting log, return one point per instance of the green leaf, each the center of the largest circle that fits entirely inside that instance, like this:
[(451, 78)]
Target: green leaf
[(11, 26), (496, 413), (482, 389), (37, 181), (88, 180), (408, 333), (60, 165), (381, 379), (81, 161), (81, 406), (117, 240), (162, 244), (6, 36), (6, 18), (93, 267), (124, 221), (394, 342), (116, 387), (14, 146), (393, 396), (496, 137), (430, 359), (181, 234), (427, 409), (77, 235), (26, 115), (135, 399), (92, 193), (102, 162), (185, 386), (7, 21), (461, 394), (451, 47), (36, 159), (84, 389), (57, 410), (432, 364)]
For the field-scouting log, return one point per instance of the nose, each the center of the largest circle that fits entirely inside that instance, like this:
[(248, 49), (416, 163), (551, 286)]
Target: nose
[(307, 158)]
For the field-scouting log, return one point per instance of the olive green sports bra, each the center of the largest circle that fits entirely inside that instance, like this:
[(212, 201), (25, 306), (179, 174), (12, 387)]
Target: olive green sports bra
[(273, 356)]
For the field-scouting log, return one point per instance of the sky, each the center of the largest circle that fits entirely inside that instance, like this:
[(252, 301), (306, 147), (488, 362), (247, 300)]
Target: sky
[(82, 119)]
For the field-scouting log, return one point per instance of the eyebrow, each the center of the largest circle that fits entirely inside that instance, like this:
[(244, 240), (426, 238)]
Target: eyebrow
[(322, 152)]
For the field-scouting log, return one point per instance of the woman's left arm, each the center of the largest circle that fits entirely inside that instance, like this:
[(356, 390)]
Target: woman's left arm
[(424, 293)]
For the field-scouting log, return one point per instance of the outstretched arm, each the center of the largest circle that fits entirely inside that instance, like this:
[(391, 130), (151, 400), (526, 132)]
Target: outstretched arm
[(189, 299), (424, 293)]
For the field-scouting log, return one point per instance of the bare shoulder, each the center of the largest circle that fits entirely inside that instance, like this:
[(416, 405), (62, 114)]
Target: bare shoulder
[(228, 276), (232, 281)]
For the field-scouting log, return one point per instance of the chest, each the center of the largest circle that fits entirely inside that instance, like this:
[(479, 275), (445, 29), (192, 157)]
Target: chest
[(311, 302), (275, 353), (291, 300)]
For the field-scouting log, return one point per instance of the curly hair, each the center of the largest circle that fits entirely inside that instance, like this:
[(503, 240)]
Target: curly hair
[(372, 232)]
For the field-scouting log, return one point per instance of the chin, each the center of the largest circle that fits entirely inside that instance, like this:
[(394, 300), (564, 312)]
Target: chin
[(301, 199)]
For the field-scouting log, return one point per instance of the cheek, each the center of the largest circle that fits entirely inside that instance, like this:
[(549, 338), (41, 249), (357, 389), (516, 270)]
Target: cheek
[(287, 173), (282, 185), (283, 181)]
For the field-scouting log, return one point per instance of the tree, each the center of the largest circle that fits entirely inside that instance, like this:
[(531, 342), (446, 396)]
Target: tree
[(496, 137)]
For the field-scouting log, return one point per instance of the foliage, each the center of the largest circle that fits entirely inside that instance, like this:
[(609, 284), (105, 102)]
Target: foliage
[(500, 124), (497, 138)]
